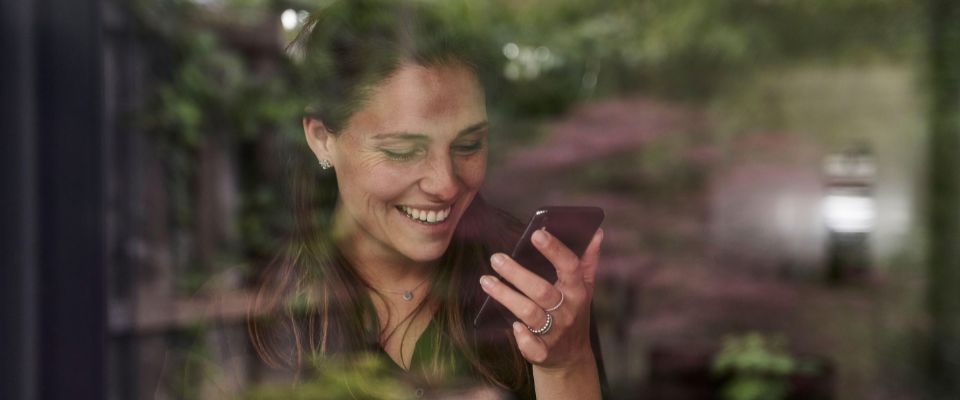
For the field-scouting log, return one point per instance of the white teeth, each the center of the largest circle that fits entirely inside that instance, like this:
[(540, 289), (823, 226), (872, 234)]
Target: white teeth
[(426, 215)]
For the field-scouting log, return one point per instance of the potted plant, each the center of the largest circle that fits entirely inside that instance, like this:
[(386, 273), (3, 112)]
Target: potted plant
[(754, 366)]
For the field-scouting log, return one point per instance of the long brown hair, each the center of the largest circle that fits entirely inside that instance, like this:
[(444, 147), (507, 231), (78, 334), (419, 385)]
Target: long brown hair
[(311, 303)]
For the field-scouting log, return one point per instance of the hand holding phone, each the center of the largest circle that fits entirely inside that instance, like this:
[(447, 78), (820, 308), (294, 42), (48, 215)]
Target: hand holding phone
[(573, 226)]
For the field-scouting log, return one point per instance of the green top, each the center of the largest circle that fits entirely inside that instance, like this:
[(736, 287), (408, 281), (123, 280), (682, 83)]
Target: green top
[(377, 376), (460, 377)]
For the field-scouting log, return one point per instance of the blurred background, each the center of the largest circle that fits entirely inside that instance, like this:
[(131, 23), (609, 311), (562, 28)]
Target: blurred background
[(779, 178)]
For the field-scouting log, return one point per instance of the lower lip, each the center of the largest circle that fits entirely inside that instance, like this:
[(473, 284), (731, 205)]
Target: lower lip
[(434, 227)]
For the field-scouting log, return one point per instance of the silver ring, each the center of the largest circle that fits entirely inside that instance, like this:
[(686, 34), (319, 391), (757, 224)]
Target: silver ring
[(545, 328), (556, 307)]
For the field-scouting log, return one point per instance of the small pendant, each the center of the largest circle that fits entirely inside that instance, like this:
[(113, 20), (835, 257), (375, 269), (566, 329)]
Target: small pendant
[(408, 295)]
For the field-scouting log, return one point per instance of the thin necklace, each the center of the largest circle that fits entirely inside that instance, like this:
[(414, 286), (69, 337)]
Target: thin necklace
[(407, 295)]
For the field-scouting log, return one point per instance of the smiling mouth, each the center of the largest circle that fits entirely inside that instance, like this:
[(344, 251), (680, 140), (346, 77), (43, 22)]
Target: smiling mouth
[(429, 217)]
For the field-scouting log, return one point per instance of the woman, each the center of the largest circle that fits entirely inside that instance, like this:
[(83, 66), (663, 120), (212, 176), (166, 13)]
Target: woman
[(394, 246)]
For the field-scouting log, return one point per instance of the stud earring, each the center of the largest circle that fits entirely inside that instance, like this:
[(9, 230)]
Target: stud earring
[(325, 164)]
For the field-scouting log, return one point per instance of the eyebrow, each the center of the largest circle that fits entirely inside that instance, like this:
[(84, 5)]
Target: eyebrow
[(422, 137)]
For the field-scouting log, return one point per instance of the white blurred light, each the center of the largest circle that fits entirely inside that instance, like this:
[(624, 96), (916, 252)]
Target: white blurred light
[(848, 213), (542, 54), (531, 72), (525, 55), (302, 16), (842, 166), (511, 50), (288, 19), (512, 71)]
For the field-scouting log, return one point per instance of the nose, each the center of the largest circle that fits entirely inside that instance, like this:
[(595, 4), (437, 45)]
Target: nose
[(440, 179)]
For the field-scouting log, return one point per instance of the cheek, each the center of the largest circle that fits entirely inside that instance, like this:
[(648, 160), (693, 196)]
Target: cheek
[(473, 170), (371, 182)]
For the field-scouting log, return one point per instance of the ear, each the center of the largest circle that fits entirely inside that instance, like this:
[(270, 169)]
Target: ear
[(319, 138)]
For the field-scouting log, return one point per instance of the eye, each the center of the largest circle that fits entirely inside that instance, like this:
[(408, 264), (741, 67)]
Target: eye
[(468, 147), (401, 154)]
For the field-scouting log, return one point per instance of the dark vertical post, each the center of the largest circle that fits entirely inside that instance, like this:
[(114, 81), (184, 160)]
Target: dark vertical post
[(70, 239), (52, 328), (944, 199), (18, 256)]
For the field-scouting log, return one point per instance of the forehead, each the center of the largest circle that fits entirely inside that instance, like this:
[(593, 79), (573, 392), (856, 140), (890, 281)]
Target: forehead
[(432, 100)]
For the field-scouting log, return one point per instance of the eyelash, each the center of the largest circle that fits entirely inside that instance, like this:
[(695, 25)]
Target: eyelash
[(469, 148), (409, 155), (401, 156)]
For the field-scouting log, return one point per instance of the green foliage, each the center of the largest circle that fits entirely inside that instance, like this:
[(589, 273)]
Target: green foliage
[(758, 367), (755, 353), (688, 46), (369, 376), (206, 92), (192, 363)]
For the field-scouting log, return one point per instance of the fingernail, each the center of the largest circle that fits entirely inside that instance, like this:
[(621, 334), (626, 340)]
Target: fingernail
[(497, 260), (540, 237), (486, 281), (517, 326)]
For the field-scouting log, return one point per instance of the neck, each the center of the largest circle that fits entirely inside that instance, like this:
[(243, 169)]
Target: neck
[(382, 267)]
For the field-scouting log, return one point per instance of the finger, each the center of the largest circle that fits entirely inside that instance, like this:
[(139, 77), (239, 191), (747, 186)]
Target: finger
[(521, 306), (529, 283), (562, 258), (591, 257), (531, 347)]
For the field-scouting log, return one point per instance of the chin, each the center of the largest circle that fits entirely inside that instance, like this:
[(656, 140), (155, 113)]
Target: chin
[(428, 254)]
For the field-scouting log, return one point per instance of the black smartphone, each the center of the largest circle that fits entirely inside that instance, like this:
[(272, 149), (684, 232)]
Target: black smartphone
[(574, 226)]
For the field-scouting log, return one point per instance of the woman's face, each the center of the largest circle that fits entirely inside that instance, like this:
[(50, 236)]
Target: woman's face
[(408, 162)]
